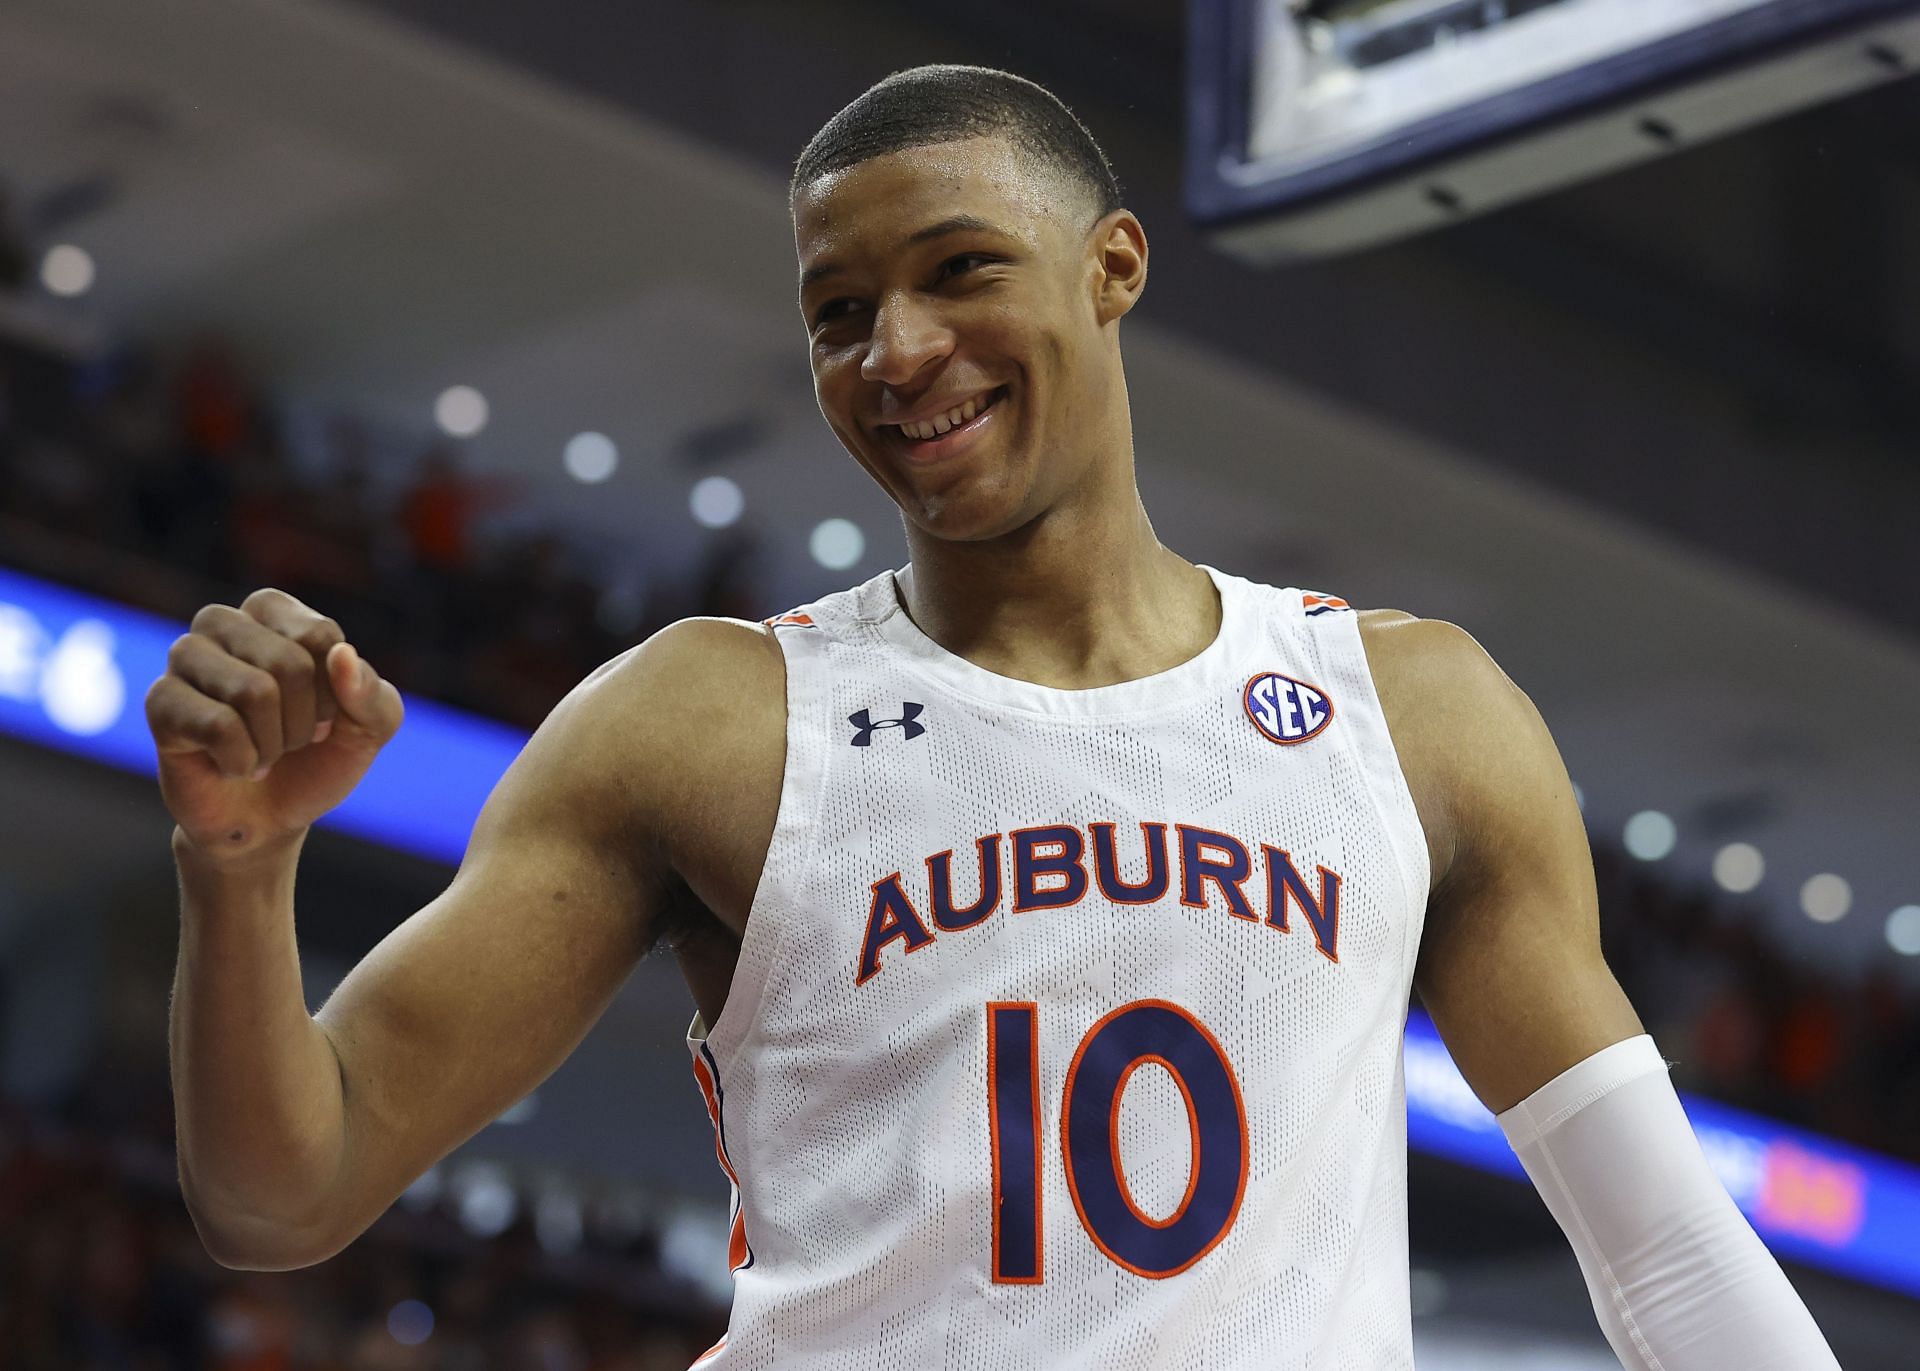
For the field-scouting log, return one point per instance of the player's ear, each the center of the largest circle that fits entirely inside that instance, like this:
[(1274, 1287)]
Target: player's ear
[(1120, 261)]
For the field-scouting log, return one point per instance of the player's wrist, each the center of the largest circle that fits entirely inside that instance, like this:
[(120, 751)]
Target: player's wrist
[(241, 858)]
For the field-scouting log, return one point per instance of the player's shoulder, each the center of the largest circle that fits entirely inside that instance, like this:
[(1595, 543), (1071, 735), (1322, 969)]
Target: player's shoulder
[(1465, 736), (698, 705), (702, 672), (1427, 660)]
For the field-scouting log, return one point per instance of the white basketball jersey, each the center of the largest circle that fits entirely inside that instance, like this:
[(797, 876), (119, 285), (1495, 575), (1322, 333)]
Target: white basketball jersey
[(1066, 1028)]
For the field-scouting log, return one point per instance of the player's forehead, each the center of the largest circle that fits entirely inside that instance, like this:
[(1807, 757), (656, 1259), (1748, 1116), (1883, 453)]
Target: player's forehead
[(876, 208)]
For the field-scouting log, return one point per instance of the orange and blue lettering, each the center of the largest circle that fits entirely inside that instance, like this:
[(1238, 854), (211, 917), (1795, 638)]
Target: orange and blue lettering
[(1229, 872), (1106, 865), (949, 918), (1284, 883), (1030, 863), (891, 917)]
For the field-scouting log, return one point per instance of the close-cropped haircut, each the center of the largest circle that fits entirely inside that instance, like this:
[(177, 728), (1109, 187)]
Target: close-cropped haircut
[(943, 104)]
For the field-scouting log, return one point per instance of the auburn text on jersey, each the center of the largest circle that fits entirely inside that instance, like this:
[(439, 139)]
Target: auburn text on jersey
[(1054, 866)]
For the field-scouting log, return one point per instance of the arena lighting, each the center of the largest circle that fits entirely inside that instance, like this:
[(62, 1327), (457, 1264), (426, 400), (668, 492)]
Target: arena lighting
[(1649, 835), (485, 1199), (837, 543), (410, 1323), (1903, 930), (461, 411), (1826, 898), (1738, 867), (716, 502), (1813, 1199), (590, 458), (67, 270)]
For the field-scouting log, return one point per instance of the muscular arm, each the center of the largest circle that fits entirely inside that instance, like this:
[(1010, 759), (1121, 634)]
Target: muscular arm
[(1510, 968), (296, 1132), (1510, 965)]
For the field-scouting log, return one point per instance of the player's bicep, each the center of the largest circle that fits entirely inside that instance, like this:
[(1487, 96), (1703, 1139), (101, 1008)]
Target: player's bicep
[(1510, 965), (477, 997)]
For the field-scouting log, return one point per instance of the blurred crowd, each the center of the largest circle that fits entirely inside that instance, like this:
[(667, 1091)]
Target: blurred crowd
[(101, 1270), (169, 479), (1749, 1024)]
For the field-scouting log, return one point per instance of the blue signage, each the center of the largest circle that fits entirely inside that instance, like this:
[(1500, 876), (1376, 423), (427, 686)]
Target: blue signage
[(74, 672), (1812, 1199)]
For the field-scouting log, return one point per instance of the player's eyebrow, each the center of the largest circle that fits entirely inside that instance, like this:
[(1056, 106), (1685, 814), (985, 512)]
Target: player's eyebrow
[(956, 223)]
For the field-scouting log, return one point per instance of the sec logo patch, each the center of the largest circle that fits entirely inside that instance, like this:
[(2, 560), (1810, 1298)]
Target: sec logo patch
[(1286, 710)]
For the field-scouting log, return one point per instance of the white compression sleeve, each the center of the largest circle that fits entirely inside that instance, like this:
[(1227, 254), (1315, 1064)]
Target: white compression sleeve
[(1678, 1278)]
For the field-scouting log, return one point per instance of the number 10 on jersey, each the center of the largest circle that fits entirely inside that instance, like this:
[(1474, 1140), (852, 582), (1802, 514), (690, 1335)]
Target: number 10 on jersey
[(1135, 1035)]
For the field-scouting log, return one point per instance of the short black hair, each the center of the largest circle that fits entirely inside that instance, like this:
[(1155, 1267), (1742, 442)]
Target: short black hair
[(945, 103)]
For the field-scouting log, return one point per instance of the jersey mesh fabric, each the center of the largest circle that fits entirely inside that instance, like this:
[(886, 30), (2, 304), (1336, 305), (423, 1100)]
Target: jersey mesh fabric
[(856, 1114)]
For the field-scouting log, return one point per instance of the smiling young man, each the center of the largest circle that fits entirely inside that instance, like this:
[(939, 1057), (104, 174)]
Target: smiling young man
[(1051, 905)]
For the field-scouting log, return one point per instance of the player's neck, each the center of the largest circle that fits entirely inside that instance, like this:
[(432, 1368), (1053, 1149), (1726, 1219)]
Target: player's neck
[(1062, 603)]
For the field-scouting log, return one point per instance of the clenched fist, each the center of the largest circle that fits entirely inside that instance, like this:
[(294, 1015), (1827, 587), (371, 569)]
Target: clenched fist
[(266, 719)]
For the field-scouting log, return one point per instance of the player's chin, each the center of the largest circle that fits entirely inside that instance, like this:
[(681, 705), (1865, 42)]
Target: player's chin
[(980, 506)]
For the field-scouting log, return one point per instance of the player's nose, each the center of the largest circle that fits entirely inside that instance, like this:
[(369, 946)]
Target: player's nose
[(906, 336)]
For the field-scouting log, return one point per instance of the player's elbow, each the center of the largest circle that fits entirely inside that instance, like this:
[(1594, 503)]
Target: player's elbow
[(242, 1244), (244, 1241)]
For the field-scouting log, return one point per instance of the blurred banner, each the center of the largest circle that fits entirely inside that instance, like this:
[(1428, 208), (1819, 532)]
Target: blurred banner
[(1813, 1199), (74, 670)]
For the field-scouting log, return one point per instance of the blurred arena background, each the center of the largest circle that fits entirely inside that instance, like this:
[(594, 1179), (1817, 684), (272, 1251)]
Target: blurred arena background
[(472, 324)]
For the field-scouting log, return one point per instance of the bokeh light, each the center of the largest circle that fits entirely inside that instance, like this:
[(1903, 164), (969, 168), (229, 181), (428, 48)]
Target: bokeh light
[(67, 270), (837, 543), (1826, 897), (461, 411), (591, 458), (1738, 867), (1649, 835), (1903, 930), (410, 1323), (716, 502)]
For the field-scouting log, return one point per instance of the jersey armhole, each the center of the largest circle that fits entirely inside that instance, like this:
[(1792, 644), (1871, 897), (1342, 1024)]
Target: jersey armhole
[(796, 820), (1343, 632)]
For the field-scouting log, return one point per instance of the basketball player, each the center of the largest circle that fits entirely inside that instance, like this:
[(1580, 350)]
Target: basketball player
[(1051, 906)]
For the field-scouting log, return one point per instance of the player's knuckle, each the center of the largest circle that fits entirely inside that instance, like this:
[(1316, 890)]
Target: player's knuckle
[(159, 703), (321, 634), (266, 598), (292, 667), (217, 725), (210, 619), (255, 690)]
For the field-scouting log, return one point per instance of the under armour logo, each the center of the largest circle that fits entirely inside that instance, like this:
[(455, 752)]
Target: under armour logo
[(866, 724)]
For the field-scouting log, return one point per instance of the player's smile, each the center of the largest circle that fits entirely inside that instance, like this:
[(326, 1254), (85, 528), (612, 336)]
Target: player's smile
[(954, 431), (945, 292)]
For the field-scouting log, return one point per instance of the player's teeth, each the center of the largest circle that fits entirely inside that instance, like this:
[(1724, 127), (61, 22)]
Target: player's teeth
[(953, 418)]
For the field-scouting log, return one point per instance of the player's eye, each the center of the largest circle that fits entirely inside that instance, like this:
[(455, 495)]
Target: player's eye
[(832, 310), (946, 267)]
